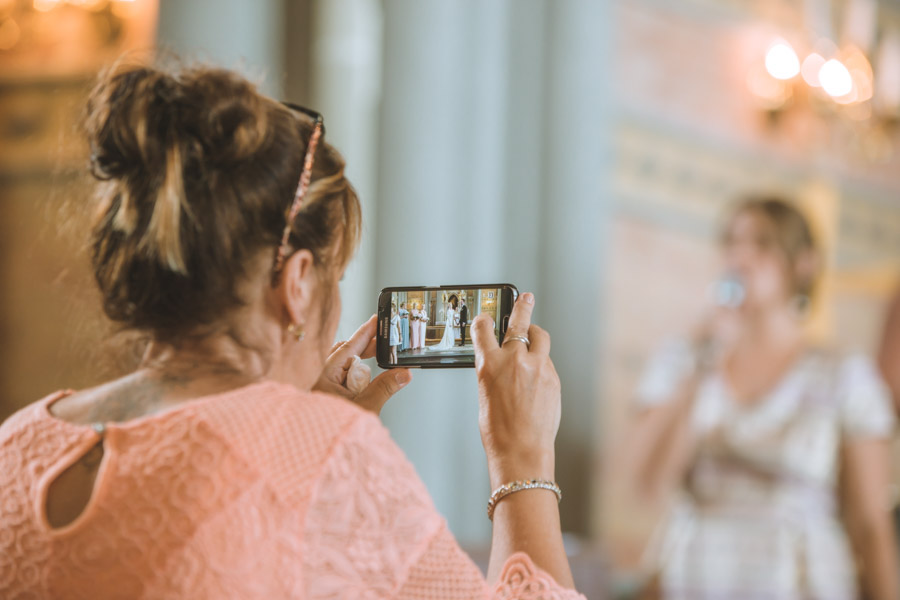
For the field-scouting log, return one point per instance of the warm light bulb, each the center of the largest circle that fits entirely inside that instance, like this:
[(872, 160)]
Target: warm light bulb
[(94, 5), (782, 61), (835, 79), (45, 5)]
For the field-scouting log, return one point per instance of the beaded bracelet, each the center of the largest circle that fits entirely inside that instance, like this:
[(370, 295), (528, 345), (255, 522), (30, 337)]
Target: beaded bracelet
[(517, 486)]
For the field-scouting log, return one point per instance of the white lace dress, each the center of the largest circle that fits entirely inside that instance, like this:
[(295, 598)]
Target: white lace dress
[(449, 340), (758, 513)]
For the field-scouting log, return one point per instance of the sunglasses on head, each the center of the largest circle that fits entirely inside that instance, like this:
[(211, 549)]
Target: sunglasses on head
[(303, 184)]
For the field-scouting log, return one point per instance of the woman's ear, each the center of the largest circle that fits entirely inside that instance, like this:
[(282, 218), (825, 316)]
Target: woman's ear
[(297, 286), (807, 268)]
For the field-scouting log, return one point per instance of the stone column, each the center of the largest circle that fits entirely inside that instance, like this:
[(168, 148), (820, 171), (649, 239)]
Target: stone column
[(440, 216), (345, 65), (491, 167), (246, 36), (575, 214)]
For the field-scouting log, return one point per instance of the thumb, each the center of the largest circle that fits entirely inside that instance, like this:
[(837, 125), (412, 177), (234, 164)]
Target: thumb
[(483, 336), (382, 388)]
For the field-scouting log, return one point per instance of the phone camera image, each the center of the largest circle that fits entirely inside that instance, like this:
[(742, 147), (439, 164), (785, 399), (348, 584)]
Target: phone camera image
[(431, 327)]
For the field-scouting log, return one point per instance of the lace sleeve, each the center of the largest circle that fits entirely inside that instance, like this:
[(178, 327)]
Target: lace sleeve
[(372, 531), (669, 366), (520, 579), (864, 400)]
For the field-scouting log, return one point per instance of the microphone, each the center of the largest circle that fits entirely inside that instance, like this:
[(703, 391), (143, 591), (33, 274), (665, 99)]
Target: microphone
[(729, 291)]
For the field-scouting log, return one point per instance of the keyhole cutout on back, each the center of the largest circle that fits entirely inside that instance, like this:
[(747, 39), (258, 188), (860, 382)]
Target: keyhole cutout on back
[(69, 494)]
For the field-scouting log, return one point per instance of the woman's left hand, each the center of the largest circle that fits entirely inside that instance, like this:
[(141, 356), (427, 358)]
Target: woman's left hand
[(333, 379)]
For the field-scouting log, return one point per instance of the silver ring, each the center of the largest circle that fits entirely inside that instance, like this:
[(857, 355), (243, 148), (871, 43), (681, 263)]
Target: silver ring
[(517, 338)]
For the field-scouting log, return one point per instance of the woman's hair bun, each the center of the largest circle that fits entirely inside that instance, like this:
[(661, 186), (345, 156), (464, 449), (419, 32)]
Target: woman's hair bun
[(150, 131), (229, 115), (129, 113), (196, 169), (136, 112)]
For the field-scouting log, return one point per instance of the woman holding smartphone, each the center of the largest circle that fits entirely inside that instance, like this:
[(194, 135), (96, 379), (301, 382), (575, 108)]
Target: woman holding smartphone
[(779, 449), (235, 462)]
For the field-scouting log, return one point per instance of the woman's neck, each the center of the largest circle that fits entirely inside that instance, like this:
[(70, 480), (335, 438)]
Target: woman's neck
[(223, 358), (168, 376), (778, 325)]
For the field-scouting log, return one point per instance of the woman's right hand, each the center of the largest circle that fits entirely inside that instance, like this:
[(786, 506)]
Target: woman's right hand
[(714, 335), (519, 397)]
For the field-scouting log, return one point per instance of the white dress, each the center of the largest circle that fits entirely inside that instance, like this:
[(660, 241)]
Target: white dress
[(422, 324), (758, 513), (395, 331), (449, 340)]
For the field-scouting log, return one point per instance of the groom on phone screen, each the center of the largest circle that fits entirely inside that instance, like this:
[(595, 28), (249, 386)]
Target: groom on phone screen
[(463, 321)]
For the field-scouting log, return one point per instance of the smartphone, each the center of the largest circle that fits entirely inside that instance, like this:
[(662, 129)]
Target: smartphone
[(429, 327)]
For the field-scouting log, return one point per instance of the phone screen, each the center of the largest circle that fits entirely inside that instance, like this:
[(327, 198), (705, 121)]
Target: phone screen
[(430, 327)]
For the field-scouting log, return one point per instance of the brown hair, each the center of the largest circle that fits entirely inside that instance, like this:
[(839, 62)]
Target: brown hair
[(792, 234), (197, 171)]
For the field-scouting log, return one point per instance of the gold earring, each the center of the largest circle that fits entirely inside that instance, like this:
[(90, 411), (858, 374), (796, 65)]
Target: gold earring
[(296, 331)]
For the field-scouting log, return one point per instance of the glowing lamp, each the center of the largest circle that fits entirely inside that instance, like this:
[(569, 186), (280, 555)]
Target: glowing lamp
[(782, 62), (835, 79)]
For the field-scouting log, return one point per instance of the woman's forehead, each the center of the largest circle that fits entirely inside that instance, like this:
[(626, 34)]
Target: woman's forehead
[(748, 222)]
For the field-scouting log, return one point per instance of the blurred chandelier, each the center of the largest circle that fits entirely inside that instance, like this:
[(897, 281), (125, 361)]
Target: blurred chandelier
[(46, 5), (857, 79), (18, 32)]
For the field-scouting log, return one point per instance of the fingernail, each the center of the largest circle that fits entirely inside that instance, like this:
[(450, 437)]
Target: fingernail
[(528, 297), (403, 376)]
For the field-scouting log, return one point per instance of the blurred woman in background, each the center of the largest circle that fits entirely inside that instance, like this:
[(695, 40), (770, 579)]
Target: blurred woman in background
[(779, 449)]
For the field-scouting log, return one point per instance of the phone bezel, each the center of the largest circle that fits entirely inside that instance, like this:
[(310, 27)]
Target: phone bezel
[(382, 348)]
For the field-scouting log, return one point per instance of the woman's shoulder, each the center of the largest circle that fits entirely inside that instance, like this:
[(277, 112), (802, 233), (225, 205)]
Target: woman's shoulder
[(31, 440), (857, 389), (842, 361), (283, 432), (30, 413), (278, 408)]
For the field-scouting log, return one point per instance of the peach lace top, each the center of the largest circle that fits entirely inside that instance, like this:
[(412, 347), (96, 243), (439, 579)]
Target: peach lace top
[(261, 492)]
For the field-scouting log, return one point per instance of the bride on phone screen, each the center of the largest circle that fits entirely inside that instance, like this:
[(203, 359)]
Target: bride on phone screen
[(449, 340)]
